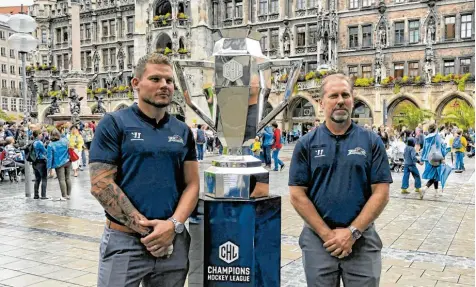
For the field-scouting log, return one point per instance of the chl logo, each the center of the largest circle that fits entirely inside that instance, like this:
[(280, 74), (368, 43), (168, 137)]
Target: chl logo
[(228, 252)]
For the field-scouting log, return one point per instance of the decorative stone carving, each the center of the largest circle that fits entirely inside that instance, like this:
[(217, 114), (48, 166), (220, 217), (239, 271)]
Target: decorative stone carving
[(74, 106), (120, 57), (383, 27), (54, 107), (96, 60), (429, 67), (100, 109)]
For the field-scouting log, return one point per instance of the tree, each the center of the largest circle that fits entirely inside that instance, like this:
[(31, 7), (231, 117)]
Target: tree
[(412, 116), (462, 116)]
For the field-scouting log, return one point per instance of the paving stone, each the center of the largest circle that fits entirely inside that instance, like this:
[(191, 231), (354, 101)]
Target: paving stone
[(441, 276), (463, 279), (407, 280), (428, 266), (23, 280)]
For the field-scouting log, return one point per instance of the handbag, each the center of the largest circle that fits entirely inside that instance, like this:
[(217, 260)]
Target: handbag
[(435, 157), (72, 155)]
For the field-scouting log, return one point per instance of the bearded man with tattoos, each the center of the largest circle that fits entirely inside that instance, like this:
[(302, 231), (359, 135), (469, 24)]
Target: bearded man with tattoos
[(144, 172)]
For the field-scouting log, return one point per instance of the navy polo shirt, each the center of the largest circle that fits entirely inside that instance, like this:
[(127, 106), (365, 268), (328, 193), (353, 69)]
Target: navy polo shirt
[(338, 171), (150, 158)]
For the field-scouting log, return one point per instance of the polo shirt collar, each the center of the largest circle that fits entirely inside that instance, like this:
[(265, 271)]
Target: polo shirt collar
[(349, 130), (152, 121)]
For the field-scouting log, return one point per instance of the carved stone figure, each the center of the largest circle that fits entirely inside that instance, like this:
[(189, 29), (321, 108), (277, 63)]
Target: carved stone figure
[(74, 106), (382, 36), (428, 71), (109, 80), (430, 31), (100, 107), (120, 59), (378, 74), (96, 61), (287, 42), (54, 107)]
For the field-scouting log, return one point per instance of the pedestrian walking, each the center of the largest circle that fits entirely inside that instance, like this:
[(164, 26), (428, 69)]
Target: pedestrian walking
[(339, 184), (39, 165), (433, 155), (409, 167), (268, 141), (58, 159), (76, 142), (201, 140), (458, 147), (144, 172), (256, 148), (276, 147)]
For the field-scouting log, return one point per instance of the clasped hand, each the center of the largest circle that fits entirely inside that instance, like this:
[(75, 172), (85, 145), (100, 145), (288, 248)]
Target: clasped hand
[(339, 242), (161, 238)]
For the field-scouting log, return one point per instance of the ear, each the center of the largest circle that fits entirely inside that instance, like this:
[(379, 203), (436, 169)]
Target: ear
[(135, 83)]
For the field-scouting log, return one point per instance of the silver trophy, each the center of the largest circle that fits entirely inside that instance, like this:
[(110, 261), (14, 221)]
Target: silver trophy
[(239, 78)]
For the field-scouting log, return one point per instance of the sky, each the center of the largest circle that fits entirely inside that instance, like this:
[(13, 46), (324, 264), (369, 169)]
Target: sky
[(15, 2)]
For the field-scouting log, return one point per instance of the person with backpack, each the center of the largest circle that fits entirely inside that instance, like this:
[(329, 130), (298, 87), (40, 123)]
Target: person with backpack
[(433, 155), (37, 156), (410, 161), (58, 158), (201, 140), (458, 146)]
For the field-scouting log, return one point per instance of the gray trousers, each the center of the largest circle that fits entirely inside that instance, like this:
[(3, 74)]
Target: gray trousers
[(360, 269), (125, 262)]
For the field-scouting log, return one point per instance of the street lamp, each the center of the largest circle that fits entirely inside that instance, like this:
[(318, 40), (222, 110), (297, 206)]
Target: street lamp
[(23, 42)]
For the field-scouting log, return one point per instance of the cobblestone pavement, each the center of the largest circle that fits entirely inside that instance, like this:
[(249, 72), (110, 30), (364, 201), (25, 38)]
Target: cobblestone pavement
[(426, 243)]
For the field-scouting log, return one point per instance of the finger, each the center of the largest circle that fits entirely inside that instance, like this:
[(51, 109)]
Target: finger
[(158, 240), (154, 248), (150, 223), (329, 243), (332, 248), (159, 254), (337, 252), (342, 255)]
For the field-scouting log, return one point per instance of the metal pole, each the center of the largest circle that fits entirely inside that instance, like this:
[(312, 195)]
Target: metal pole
[(25, 110)]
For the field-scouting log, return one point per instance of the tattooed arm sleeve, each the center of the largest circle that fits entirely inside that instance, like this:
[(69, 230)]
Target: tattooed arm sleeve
[(112, 198)]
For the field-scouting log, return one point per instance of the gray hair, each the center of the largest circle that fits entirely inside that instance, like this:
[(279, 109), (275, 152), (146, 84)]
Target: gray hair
[(339, 76)]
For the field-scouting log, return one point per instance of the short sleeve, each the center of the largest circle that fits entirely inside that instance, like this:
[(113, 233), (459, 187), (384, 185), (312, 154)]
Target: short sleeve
[(106, 145), (380, 171), (191, 154), (299, 171)]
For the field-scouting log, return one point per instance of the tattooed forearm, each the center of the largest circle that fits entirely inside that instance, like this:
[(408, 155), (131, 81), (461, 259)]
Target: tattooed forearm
[(112, 198)]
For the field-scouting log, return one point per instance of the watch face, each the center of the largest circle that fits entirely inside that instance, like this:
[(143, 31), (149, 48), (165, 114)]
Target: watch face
[(179, 228), (356, 234)]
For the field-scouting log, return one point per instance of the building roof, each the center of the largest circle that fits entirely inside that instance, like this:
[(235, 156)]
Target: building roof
[(13, 9)]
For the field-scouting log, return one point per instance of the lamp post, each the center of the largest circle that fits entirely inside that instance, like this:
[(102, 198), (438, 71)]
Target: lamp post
[(23, 42)]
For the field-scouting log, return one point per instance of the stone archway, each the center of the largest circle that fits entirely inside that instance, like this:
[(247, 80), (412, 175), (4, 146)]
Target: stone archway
[(301, 114), (393, 109), (447, 99), (163, 41), (120, 107), (362, 113)]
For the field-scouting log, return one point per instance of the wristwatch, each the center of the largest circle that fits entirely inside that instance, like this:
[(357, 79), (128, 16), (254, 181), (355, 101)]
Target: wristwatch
[(179, 227), (356, 234)]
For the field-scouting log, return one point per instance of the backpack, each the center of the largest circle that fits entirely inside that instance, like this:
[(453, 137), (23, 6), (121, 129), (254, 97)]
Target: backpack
[(435, 158), (30, 155), (457, 143), (200, 137)]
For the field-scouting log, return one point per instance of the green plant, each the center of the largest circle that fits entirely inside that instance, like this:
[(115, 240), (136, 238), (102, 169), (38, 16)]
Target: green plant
[(405, 79), (463, 116), (387, 81), (122, 88), (437, 78), (182, 16), (183, 51), (396, 89), (28, 68), (417, 79), (167, 16), (363, 82), (44, 67), (130, 95), (109, 93), (461, 81), (414, 116), (39, 100), (310, 75), (156, 18), (54, 69)]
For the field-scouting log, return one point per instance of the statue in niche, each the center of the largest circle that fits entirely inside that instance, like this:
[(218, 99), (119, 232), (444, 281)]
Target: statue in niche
[(334, 21), (120, 59), (382, 36), (378, 74), (287, 42), (109, 80), (428, 71), (325, 51), (96, 61), (430, 31), (100, 107), (163, 7)]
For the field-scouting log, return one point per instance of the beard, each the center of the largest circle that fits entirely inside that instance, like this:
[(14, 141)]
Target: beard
[(339, 119), (157, 105)]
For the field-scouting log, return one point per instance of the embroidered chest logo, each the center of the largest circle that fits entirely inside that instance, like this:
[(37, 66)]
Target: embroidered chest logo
[(175, 139), (136, 136), (319, 153), (357, 151)]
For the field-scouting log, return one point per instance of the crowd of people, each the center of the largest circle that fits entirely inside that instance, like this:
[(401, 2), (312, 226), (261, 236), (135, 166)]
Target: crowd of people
[(54, 152)]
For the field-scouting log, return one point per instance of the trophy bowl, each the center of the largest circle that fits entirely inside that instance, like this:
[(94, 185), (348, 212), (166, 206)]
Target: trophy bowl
[(234, 85)]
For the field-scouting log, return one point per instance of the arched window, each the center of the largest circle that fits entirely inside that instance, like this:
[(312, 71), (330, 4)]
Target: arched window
[(303, 109)]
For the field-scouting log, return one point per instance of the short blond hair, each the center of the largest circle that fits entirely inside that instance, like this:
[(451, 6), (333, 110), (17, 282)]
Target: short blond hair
[(338, 76), (153, 58), (10, 140)]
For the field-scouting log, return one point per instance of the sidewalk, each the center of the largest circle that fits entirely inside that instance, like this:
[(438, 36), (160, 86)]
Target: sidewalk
[(426, 243)]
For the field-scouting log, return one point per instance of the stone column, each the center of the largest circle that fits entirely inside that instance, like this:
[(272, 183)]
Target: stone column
[(140, 32), (76, 79)]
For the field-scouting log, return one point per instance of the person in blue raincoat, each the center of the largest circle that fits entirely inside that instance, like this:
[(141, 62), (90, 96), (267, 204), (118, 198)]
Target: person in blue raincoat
[(434, 174)]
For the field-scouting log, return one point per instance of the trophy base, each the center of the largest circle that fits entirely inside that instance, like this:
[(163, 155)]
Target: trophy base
[(236, 243), (236, 177)]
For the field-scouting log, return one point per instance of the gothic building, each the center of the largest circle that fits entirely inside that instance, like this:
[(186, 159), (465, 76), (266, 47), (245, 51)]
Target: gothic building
[(398, 51)]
